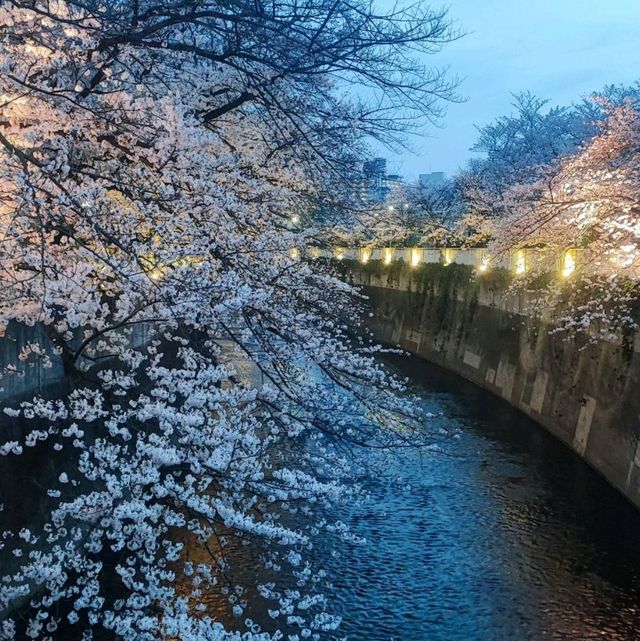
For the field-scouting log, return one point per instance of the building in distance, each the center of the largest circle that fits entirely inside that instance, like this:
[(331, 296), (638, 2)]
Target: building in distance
[(376, 184), (432, 180)]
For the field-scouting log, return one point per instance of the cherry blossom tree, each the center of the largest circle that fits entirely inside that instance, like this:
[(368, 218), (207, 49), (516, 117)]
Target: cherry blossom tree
[(156, 158), (516, 146), (520, 148), (591, 198), (432, 216), (586, 206)]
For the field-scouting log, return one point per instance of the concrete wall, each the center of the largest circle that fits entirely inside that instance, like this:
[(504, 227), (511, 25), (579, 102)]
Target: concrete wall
[(19, 377), (587, 396)]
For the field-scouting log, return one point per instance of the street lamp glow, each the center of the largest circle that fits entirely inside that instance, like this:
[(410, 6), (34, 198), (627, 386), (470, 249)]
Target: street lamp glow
[(569, 262), (295, 219), (387, 253), (416, 256), (484, 264)]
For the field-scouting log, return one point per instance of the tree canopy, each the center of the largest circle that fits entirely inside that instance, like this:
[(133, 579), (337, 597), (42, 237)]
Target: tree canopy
[(154, 156)]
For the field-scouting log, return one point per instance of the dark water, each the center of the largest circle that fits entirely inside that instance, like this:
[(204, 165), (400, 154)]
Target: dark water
[(503, 536)]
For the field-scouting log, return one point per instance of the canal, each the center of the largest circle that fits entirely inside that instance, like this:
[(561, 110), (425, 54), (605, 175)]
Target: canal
[(501, 535)]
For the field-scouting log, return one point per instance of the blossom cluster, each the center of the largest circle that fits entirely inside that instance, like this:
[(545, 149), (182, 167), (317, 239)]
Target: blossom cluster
[(145, 224)]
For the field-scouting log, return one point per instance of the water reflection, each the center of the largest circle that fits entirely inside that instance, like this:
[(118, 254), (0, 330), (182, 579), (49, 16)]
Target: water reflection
[(504, 535), (501, 535)]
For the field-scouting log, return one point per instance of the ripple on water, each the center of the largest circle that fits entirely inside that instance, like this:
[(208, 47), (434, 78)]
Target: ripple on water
[(504, 536)]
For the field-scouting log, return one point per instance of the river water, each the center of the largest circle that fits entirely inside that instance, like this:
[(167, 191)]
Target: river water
[(504, 535), (500, 535)]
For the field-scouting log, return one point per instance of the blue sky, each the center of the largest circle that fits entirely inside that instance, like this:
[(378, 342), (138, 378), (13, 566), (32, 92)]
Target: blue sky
[(558, 49)]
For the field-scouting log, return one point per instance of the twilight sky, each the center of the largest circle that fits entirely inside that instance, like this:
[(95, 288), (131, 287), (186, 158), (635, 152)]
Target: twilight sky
[(558, 49)]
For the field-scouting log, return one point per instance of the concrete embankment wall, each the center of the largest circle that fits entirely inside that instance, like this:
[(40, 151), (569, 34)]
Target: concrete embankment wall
[(20, 373), (23, 373), (586, 395)]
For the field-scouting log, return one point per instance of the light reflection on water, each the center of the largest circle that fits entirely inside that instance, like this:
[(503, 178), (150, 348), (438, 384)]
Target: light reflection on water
[(502, 536)]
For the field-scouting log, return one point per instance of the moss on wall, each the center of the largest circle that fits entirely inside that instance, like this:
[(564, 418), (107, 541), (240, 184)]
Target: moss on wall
[(445, 286), (498, 278), (446, 278), (443, 277)]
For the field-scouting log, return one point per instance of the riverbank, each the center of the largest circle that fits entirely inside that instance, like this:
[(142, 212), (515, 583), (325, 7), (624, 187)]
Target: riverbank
[(586, 395)]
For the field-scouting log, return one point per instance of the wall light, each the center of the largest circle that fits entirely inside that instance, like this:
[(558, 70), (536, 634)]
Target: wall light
[(448, 256), (365, 255), (569, 262)]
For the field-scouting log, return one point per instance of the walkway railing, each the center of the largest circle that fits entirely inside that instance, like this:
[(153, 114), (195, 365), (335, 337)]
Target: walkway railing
[(519, 261)]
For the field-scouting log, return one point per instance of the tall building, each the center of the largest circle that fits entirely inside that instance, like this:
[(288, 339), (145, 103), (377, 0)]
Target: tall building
[(376, 183), (434, 179), (375, 169)]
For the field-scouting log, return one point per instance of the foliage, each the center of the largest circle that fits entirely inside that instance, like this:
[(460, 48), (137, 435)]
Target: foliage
[(425, 275), (496, 278), (152, 155)]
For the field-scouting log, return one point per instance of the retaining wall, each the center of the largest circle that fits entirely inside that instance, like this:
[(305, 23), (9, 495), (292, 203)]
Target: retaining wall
[(21, 376), (586, 395)]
